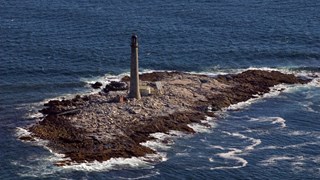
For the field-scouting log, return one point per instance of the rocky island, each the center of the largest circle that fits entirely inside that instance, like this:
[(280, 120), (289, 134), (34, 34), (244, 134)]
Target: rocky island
[(108, 124), (113, 123)]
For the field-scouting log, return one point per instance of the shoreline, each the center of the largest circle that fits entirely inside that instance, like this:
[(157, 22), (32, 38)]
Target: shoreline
[(99, 127)]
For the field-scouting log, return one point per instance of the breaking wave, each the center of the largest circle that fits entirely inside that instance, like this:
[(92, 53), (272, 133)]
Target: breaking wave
[(305, 133), (235, 153), (290, 146), (297, 163), (273, 120)]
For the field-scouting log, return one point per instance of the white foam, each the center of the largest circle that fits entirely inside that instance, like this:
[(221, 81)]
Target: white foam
[(160, 135), (255, 142), (211, 121), (44, 169), (241, 105), (179, 134), (22, 132), (274, 160), (267, 69), (232, 155), (200, 128), (36, 171), (308, 105), (299, 133), (145, 71), (316, 159), (217, 147), (35, 115), (156, 145), (162, 143), (292, 146), (315, 82), (146, 176), (280, 121), (43, 166), (276, 90), (183, 154), (236, 134), (314, 134), (33, 110), (115, 163), (216, 71), (273, 120), (235, 153), (297, 163)]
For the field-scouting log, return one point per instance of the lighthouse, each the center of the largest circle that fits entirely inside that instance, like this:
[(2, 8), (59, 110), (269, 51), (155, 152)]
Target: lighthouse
[(134, 70)]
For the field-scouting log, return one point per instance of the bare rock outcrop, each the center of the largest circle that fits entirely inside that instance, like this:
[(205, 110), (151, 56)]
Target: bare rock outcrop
[(100, 127)]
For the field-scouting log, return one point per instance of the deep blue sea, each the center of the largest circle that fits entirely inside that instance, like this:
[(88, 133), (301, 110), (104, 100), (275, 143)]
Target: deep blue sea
[(53, 49)]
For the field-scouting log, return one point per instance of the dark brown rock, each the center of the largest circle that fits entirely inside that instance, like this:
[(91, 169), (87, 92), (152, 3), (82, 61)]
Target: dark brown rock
[(96, 85), (119, 99), (26, 138), (115, 86)]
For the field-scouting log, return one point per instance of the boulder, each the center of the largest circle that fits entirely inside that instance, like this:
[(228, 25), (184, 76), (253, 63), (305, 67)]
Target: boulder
[(96, 85), (115, 86), (118, 99)]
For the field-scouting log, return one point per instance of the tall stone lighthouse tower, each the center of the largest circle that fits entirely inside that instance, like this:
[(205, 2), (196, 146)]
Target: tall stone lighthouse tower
[(134, 72)]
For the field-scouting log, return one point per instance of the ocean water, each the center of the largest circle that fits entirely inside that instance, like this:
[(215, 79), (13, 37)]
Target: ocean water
[(53, 49)]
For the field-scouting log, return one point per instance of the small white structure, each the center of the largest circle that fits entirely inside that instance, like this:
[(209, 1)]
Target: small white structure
[(158, 87), (145, 90)]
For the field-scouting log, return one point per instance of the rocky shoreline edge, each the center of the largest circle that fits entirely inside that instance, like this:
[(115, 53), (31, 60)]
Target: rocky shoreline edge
[(108, 125)]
